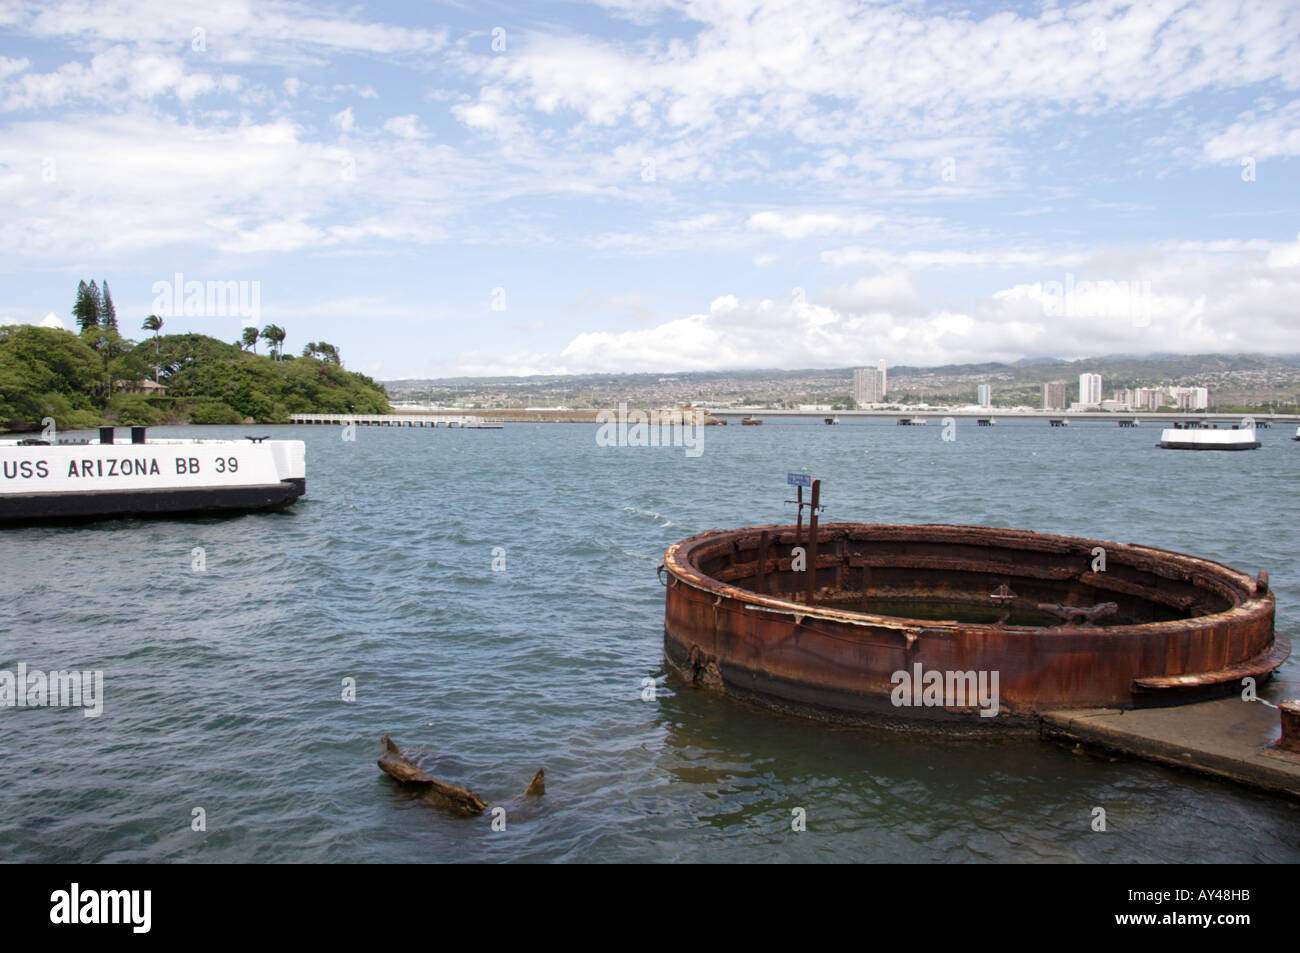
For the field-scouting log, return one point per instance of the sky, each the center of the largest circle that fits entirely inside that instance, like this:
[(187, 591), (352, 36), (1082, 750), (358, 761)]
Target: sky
[(552, 188)]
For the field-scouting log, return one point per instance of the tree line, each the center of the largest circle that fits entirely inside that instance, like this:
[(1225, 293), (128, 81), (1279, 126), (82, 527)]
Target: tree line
[(93, 310), (96, 375)]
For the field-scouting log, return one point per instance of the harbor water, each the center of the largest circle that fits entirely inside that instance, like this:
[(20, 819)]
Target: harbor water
[(490, 599)]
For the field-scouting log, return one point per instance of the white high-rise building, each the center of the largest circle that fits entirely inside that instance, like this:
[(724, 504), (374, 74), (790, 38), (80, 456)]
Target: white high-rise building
[(984, 395), (1090, 390), (1189, 398), (880, 367), (868, 385), (1148, 398)]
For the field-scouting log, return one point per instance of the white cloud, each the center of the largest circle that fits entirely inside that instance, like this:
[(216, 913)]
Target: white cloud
[(892, 292), (271, 30), (1273, 135), (345, 119), (246, 188), (949, 258), (8, 67), (1184, 302), (1284, 255), (406, 127), (840, 74), (51, 320), (802, 224), (118, 74)]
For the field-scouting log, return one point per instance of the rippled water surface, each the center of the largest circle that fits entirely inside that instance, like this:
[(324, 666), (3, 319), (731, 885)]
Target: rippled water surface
[(223, 688)]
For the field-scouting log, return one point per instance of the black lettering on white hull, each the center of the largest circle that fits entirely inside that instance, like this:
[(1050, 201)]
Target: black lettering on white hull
[(25, 470), (84, 480)]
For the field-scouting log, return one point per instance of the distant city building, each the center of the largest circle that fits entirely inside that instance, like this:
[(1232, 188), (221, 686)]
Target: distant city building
[(1189, 398), (1054, 396), (869, 385), (880, 366), (1148, 398), (1090, 389), (1124, 397), (984, 395), (1180, 398)]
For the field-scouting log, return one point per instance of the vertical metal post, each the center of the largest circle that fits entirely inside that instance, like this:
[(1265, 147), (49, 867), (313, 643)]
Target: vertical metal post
[(812, 540), (762, 563), (798, 535)]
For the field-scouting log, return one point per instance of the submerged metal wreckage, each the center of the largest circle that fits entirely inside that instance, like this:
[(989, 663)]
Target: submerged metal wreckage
[(457, 798), (957, 625)]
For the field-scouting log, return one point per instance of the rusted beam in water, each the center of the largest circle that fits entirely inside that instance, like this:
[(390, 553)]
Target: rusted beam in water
[(398, 766), (537, 786), (761, 579), (460, 799)]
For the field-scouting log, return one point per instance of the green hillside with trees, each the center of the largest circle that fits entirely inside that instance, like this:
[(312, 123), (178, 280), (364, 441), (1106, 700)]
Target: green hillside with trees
[(98, 376)]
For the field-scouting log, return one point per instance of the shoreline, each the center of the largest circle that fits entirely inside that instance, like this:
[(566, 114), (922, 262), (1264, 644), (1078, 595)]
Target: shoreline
[(734, 415)]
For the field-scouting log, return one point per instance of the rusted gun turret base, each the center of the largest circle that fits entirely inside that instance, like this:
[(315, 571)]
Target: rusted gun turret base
[(823, 623)]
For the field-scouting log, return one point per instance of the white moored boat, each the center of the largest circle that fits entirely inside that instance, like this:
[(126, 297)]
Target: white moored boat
[(1180, 438), (61, 479)]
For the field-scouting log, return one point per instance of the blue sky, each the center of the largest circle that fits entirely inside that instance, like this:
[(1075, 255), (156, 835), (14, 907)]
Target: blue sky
[(489, 188)]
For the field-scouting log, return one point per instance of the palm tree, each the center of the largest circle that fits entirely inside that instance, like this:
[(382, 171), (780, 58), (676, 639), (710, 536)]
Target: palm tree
[(324, 350), (275, 334), (250, 338), (153, 323)]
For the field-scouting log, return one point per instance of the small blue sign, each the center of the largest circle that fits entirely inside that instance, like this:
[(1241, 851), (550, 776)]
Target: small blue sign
[(798, 479)]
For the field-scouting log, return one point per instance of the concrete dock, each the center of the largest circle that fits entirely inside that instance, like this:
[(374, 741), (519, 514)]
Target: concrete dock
[(451, 421), (1226, 738)]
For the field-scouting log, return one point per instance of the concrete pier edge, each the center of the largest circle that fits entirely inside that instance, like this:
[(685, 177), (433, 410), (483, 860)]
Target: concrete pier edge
[(1227, 738)]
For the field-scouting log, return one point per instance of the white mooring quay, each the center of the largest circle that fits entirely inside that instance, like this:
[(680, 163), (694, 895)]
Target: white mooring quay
[(458, 422)]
